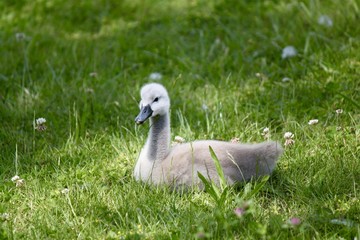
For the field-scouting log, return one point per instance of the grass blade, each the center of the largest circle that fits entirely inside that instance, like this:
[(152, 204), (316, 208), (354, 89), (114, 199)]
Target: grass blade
[(218, 167)]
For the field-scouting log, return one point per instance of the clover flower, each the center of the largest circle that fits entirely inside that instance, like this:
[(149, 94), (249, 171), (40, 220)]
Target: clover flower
[(4, 216), (339, 111), (155, 76), (200, 235), (204, 107), (65, 191), (266, 130), (288, 135), (235, 140), (93, 74), (179, 139), (313, 122), (288, 52), (289, 139), (239, 212), (18, 181), (15, 178), (266, 133), (286, 79), (294, 221), (40, 124), (325, 20), (20, 36), (40, 121)]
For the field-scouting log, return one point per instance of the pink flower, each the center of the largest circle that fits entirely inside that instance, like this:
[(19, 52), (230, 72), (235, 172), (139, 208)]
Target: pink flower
[(239, 212), (295, 221)]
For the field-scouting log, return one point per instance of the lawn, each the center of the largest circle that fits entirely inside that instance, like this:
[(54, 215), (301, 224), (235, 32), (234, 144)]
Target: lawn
[(232, 68)]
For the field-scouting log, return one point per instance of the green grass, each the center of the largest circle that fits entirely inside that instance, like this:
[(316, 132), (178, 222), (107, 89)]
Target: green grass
[(225, 54)]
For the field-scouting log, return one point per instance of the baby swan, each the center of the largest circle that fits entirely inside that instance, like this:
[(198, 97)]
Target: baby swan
[(179, 166)]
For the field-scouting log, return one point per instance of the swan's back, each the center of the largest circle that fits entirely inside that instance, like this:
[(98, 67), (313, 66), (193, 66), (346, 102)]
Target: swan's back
[(240, 162)]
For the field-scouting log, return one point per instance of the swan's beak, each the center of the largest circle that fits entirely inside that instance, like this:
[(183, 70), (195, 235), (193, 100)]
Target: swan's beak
[(145, 113)]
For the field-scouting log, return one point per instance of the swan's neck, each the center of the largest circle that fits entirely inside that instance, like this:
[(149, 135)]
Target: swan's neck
[(158, 142)]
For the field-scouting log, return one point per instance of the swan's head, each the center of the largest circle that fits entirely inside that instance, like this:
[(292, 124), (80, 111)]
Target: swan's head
[(154, 101)]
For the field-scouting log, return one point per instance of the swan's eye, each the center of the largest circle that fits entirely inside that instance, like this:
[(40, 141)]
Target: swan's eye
[(156, 99)]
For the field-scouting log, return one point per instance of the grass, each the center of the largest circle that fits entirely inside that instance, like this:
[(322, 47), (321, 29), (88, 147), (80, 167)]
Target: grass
[(81, 65)]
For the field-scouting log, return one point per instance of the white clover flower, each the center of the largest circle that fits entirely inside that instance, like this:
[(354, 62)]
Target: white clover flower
[(179, 139), (217, 41), (18, 181), (325, 20), (93, 74), (266, 133), (235, 140), (339, 111), (65, 191), (289, 139), (155, 76), (89, 90), (40, 121), (286, 79), (288, 135), (20, 36), (15, 178), (5, 216), (40, 124), (266, 130), (313, 121), (204, 107), (288, 52)]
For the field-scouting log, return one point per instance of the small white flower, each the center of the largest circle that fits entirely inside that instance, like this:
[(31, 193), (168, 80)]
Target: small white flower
[(266, 133), (4, 216), (339, 111), (235, 140), (179, 139), (204, 107), (288, 135), (266, 130), (288, 51), (15, 178), (18, 181), (89, 90), (325, 20), (313, 121), (155, 76), (40, 124), (40, 121), (20, 36), (286, 79), (217, 41), (93, 74), (289, 139), (65, 191)]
